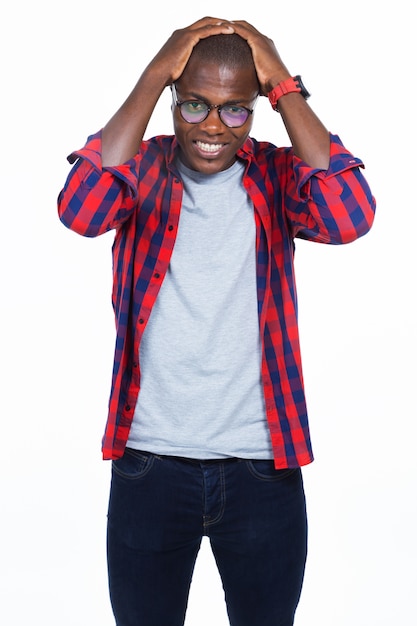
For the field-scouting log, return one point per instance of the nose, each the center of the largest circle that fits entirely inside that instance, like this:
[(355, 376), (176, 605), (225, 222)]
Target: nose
[(213, 121)]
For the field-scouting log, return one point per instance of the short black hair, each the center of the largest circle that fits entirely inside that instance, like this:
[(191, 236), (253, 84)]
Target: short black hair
[(230, 50)]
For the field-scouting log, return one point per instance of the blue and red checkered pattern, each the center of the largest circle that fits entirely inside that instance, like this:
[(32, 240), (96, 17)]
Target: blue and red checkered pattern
[(141, 200)]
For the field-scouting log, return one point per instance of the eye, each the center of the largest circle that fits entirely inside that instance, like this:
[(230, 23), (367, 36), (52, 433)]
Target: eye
[(232, 109), (195, 106)]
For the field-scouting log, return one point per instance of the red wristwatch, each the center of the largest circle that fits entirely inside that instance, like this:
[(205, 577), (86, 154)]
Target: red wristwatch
[(290, 85)]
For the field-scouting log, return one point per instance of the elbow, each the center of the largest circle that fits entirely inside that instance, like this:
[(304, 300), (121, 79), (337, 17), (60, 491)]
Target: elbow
[(72, 218), (358, 222), (364, 216), (79, 228)]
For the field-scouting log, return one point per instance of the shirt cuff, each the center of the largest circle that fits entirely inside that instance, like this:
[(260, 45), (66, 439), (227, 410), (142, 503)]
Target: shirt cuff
[(127, 172), (341, 160)]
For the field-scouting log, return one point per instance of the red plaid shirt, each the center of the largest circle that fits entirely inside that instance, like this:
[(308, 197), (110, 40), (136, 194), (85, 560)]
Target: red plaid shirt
[(141, 200)]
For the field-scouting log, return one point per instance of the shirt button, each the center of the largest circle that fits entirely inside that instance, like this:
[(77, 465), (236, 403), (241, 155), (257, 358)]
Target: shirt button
[(157, 275), (170, 227), (141, 320), (127, 407)]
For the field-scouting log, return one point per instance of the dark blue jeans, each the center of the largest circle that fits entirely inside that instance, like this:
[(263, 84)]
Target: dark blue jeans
[(160, 508)]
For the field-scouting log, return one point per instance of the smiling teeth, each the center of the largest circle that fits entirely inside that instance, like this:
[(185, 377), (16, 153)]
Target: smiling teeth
[(209, 147)]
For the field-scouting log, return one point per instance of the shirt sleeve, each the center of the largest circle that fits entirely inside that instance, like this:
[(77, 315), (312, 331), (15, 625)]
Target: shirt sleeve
[(335, 206), (94, 199)]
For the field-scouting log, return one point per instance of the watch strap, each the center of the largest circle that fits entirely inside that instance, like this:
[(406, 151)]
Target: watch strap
[(290, 85)]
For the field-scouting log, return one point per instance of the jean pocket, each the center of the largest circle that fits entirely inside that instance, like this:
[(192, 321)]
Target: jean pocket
[(133, 464), (265, 470)]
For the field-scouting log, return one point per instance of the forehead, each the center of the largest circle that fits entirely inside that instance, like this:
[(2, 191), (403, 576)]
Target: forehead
[(217, 83)]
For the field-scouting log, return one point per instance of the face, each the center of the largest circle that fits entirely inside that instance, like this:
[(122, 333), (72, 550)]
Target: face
[(210, 146)]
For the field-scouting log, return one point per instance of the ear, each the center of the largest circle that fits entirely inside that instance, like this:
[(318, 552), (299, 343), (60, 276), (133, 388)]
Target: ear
[(172, 100)]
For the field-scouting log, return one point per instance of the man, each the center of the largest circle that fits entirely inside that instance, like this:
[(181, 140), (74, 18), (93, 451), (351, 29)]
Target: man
[(207, 425)]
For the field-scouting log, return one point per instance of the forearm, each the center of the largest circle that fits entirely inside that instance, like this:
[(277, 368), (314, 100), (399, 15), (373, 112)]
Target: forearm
[(309, 137), (122, 135)]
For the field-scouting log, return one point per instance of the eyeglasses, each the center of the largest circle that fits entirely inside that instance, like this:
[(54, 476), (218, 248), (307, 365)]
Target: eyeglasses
[(196, 111)]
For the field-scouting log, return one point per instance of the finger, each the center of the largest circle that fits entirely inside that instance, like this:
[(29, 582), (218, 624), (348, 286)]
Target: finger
[(211, 23), (207, 30), (244, 29)]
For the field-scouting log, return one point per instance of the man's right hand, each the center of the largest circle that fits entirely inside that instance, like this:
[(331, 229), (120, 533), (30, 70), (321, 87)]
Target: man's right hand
[(171, 60)]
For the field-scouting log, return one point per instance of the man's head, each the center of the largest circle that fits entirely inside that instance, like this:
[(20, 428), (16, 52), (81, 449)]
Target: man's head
[(230, 50), (220, 72)]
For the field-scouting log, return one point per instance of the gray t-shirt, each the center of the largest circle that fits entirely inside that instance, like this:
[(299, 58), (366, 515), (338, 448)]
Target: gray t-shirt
[(201, 394)]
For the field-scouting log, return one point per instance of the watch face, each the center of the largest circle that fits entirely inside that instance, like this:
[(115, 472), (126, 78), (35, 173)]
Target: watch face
[(304, 91)]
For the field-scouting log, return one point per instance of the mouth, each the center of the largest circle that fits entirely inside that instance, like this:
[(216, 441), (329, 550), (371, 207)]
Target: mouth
[(209, 149)]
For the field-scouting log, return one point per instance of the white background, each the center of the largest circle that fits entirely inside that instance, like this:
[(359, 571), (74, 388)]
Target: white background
[(66, 67)]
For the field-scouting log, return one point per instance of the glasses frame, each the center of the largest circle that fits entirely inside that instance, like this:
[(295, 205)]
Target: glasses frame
[(210, 107)]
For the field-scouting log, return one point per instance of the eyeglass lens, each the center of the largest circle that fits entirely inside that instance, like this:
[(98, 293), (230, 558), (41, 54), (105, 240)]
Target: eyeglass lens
[(195, 112)]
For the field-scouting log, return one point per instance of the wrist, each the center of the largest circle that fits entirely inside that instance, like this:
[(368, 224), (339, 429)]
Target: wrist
[(289, 85)]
